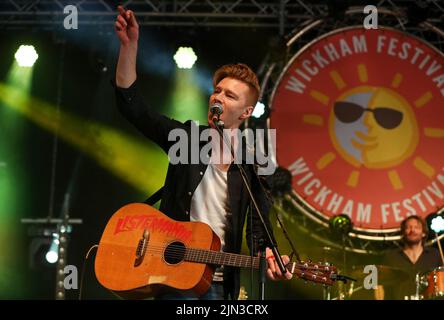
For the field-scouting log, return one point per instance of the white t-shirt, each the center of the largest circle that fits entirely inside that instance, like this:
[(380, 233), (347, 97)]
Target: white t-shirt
[(209, 203)]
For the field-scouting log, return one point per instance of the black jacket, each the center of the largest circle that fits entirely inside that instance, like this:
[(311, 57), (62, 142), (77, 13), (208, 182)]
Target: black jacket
[(406, 284), (183, 179)]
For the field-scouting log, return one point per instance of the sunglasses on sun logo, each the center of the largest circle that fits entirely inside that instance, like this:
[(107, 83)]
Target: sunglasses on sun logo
[(349, 112)]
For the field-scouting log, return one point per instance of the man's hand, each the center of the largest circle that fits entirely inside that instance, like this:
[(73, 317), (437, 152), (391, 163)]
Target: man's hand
[(127, 31), (126, 26), (273, 271)]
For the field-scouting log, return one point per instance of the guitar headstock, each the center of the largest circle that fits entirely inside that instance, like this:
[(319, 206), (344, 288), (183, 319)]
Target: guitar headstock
[(323, 273)]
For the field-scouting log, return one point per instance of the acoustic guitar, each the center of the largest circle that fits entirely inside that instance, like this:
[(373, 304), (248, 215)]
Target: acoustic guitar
[(143, 252)]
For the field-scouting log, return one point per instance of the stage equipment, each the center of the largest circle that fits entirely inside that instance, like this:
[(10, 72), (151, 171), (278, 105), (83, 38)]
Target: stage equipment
[(319, 95)]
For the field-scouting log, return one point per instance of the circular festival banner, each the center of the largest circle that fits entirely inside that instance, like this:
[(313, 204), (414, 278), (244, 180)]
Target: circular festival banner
[(360, 125)]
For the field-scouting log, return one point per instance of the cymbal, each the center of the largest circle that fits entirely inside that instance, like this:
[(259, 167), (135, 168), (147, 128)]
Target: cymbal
[(386, 275)]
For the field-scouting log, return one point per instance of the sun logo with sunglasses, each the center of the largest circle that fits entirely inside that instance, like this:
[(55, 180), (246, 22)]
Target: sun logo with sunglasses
[(373, 126), (359, 124)]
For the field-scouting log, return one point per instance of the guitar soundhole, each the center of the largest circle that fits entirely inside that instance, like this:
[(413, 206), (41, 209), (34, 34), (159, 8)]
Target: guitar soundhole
[(174, 253)]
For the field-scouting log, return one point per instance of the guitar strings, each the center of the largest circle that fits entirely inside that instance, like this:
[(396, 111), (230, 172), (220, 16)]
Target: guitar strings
[(177, 251), (306, 272), (180, 251)]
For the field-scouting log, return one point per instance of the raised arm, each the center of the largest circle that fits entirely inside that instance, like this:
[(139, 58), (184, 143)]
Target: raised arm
[(127, 30), (130, 103)]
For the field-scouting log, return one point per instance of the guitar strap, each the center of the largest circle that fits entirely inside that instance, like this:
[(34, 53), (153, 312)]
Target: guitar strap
[(156, 196)]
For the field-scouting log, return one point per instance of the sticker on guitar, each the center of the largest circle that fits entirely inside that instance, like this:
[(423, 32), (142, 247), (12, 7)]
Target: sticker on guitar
[(153, 223)]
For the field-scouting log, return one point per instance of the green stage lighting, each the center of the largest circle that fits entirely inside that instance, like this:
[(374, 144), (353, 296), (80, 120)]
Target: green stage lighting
[(26, 56), (341, 223), (101, 142), (187, 100)]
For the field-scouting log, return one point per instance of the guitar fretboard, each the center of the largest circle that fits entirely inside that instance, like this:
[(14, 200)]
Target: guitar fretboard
[(311, 272), (221, 258)]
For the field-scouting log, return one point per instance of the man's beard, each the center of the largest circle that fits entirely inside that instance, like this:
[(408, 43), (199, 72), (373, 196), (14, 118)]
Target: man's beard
[(408, 241)]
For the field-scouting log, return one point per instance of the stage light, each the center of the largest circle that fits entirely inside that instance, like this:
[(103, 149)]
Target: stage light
[(12, 180), (52, 256), (53, 253), (99, 141), (341, 223), (187, 100), (26, 56), (185, 57), (259, 110), (437, 224)]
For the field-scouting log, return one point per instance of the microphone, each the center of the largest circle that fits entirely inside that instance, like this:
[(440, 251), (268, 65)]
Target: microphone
[(216, 110)]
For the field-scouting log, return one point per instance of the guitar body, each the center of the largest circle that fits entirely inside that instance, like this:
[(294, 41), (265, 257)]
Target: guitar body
[(142, 253)]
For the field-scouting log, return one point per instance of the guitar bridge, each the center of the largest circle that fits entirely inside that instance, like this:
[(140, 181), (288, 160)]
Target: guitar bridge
[(141, 248)]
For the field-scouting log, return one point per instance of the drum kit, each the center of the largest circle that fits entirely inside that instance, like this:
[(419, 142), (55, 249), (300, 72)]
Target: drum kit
[(429, 285), (432, 284)]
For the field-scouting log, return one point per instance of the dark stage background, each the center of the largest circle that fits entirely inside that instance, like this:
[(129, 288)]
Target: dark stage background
[(73, 141)]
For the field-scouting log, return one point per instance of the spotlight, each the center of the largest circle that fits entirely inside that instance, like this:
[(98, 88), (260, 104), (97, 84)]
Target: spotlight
[(437, 224), (341, 223), (185, 57), (26, 56), (53, 253), (259, 110)]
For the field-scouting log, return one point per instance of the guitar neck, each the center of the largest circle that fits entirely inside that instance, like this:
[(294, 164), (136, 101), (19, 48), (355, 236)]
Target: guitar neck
[(307, 271), (221, 258)]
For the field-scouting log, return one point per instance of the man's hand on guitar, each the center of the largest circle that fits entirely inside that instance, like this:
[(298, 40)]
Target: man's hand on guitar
[(273, 271)]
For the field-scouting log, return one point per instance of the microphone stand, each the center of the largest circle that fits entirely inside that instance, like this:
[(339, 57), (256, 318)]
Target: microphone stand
[(219, 127), (262, 269)]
